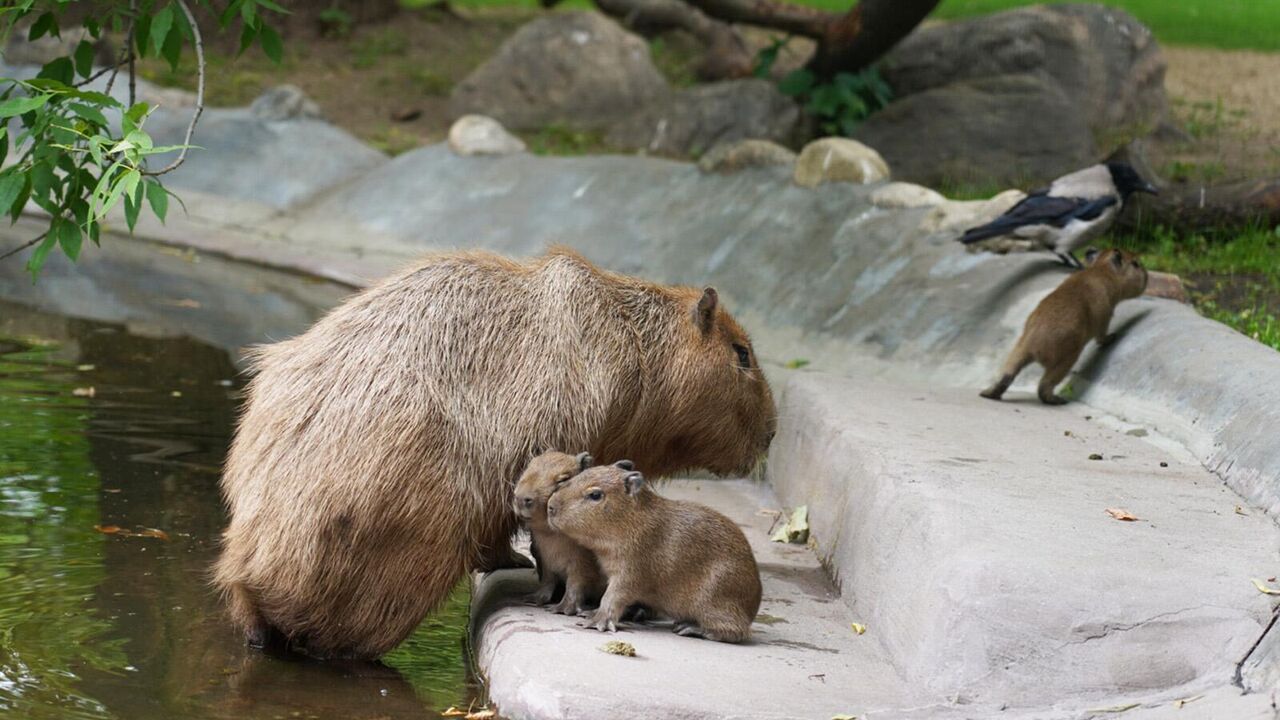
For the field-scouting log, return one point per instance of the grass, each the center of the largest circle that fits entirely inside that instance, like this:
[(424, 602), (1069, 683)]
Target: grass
[(1234, 280), (1227, 24)]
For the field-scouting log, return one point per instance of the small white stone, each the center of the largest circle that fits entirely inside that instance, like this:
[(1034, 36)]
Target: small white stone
[(480, 135), (836, 159)]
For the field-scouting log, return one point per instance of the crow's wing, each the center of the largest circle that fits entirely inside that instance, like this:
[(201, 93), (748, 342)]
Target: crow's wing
[(1040, 209)]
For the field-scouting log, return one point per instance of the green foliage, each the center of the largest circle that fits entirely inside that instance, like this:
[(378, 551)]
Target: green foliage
[(841, 103), (561, 140), (81, 153)]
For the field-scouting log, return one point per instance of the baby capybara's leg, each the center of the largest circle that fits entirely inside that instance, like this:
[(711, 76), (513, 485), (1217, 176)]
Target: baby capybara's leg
[(1017, 360)]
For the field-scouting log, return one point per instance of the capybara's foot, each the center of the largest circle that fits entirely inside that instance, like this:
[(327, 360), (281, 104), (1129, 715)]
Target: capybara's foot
[(637, 614), (541, 596), (993, 393), (568, 606), (687, 628), (603, 621), (1053, 400)]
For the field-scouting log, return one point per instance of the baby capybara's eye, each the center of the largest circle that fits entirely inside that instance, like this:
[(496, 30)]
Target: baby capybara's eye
[(595, 495), (744, 357)]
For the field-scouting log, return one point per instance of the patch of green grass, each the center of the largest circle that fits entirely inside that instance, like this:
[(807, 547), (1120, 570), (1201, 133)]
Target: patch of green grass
[(676, 62), (1228, 24), (1234, 279), (560, 140), (370, 50)]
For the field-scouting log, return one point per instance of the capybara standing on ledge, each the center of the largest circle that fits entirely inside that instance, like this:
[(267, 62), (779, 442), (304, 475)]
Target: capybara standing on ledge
[(375, 459)]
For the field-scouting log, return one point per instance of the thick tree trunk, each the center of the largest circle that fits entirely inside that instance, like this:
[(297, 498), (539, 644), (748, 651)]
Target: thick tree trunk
[(865, 33)]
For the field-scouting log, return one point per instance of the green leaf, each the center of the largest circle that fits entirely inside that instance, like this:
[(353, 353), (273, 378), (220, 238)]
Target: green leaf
[(796, 83), (88, 112), (172, 50), (161, 23), (42, 251), (124, 185), (11, 183), (132, 206), (22, 105), (247, 35), (69, 238), (94, 28), (273, 6), (60, 69), (158, 197), (271, 44), (45, 24), (4, 145), (142, 34), (20, 202), (84, 59)]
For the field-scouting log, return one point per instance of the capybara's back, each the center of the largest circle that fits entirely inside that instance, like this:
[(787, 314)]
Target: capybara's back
[(375, 458)]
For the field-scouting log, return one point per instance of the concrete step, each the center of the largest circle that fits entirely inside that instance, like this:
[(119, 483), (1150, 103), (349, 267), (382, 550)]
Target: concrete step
[(972, 536)]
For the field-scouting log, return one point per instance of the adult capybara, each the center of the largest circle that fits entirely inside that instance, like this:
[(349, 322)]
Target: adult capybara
[(375, 459)]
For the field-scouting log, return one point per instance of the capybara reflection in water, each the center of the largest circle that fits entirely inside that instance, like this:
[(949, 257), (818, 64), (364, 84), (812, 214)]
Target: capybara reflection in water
[(375, 459)]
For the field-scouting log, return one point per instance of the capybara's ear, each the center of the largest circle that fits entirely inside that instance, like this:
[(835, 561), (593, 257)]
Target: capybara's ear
[(1117, 259), (1090, 255), (625, 465), (705, 315), (584, 461), (633, 482)]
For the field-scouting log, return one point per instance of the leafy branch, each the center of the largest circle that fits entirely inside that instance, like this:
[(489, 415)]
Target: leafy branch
[(80, 153)]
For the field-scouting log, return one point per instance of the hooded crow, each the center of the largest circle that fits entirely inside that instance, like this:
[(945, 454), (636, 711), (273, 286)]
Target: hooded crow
[(1070, 213)]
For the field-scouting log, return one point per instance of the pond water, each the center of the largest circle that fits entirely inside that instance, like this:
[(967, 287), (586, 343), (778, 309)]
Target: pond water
[(104, 433)]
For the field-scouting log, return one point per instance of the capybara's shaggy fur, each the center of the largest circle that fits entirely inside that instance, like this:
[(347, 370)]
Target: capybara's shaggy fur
[(680, 559), (562, 562), (1079, 309), (375, 459)]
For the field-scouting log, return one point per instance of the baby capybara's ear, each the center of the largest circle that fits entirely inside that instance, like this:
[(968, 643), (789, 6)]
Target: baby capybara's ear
[(705, 314), (625, 465), (584, 461), (1090, 255), (633, 482)]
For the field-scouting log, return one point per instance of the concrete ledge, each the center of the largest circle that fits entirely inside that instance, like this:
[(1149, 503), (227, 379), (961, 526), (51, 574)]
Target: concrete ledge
[(973, 536)]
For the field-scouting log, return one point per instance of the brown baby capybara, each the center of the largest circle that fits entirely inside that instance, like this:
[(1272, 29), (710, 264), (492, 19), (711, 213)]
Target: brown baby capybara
[(375, 459), (680, 559), (562, 562), (1079, 309)]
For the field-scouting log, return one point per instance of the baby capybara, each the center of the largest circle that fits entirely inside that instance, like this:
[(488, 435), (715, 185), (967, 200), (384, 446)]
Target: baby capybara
[(562, 562), (374, 462), (680, 559)]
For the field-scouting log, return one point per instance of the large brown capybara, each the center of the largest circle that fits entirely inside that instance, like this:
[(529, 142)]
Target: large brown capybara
[(376, 456)]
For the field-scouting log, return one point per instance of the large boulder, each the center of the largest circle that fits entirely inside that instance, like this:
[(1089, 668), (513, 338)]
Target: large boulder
[(692, 121), (1011, 96), (1009, 129), (578, 69)]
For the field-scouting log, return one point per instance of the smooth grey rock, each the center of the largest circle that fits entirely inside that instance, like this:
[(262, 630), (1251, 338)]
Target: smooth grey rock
[(276, 163), (284, 102), (834, 159), (906, 195), (480, 135), (1010, 129), (578, 69), (20, 51), (972, 535), (1107, 63), (730, 157), (694, 120)]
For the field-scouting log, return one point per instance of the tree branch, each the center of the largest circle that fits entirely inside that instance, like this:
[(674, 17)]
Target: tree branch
[(25, 245), (195, 115), (727, 54), (861, 36)]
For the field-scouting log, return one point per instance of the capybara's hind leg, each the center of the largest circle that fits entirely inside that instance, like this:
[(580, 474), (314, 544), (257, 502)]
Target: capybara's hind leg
[(1018, 359), (727, 627), (258, 633), (1052, 376)]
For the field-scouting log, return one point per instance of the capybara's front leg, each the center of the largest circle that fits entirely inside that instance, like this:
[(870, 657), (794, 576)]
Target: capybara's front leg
[(615, 602), (546, 591)]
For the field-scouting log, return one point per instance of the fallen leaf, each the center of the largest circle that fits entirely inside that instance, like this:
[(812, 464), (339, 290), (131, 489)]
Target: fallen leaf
[(1240, 511), (617, 647), (1119, 514), (1262, 587), (858, 628), (481, 714), (1115, 708), (107, 529), (844, 717), (797, 363), (795, 529), (144, 532), (1095, 456), (152, 533), (1179, 703), (85, 368), (84, 392), (453, 711)]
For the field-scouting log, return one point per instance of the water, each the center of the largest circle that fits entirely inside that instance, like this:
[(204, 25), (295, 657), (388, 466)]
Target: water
[(99, 427)]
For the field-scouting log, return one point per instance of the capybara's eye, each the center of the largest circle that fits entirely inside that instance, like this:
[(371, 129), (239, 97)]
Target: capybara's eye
[(744, 357), (595, 495)]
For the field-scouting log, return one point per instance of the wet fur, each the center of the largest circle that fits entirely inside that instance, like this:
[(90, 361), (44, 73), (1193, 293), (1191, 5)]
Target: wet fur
[(375, 458), (683, 560), (1079, 309)]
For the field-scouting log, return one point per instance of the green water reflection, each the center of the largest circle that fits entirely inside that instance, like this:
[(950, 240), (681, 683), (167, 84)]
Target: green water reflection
[(100, 427)]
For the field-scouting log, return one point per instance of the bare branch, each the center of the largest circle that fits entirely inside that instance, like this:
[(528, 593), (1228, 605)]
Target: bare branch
[(133, 70), (727, 54), (195, 115), (794, 19), (25, 245), (865, 33), (108, 69)]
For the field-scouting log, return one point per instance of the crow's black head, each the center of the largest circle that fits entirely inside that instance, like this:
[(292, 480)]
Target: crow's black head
[(1128, 181)]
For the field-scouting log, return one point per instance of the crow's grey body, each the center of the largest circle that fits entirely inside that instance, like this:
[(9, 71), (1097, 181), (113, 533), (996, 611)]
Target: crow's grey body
[(1069, 214)]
